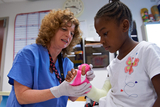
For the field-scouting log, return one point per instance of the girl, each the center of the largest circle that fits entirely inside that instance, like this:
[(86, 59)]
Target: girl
[(133, 77), (134, 74)]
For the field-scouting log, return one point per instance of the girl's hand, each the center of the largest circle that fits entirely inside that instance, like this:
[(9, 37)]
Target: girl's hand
[(83, 72), (70, 75)]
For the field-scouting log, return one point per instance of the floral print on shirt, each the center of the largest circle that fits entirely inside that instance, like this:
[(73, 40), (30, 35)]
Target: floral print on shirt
[(131, 62)]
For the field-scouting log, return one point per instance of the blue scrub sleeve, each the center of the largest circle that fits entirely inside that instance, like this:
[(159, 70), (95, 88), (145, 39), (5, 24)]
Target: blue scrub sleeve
[(22, 69)]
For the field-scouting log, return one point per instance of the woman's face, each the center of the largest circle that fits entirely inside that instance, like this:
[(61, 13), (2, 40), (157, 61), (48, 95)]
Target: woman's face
[(63, 36)]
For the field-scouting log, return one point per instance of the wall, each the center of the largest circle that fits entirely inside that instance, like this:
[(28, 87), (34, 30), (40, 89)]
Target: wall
[(91, 6)]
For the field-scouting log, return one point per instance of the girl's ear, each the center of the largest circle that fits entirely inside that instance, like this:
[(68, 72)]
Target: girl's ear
[(125, 25)]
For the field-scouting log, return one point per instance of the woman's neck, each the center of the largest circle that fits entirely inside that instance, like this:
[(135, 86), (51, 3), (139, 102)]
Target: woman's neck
[(54, 53)]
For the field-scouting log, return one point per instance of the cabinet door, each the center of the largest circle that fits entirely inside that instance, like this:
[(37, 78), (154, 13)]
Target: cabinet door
[(96, 55)]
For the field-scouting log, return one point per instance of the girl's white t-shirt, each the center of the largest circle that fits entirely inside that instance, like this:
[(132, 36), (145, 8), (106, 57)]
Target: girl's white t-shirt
[(131, 76)]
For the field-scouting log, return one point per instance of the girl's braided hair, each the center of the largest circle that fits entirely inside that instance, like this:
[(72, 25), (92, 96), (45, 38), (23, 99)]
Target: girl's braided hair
[(116, 10)]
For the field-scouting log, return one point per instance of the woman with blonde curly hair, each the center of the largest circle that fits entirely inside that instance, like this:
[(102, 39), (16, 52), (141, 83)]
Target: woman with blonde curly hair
[(39, 70)]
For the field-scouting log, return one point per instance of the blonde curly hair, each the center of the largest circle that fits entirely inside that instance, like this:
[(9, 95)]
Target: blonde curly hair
[(50, 25)]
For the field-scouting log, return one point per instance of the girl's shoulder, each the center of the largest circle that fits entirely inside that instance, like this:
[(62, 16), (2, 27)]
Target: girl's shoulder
[(147, 45)]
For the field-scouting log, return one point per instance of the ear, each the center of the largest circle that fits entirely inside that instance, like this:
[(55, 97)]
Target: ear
[(125, 25)]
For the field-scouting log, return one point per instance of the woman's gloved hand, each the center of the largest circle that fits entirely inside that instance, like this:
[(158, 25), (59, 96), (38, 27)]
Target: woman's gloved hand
[(65, 89)]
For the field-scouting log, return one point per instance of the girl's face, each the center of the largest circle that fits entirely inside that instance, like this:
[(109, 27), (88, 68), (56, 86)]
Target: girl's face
[(112, 35), (63, 36)]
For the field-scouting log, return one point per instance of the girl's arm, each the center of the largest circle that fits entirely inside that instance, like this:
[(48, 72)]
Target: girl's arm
[(26, 95), (95, 94), (156, 84)]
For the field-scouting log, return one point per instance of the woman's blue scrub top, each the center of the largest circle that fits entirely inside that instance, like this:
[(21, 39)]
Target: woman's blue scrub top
[(31, 68)]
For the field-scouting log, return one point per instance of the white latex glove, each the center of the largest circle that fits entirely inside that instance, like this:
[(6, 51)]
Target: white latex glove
[(65, 89), (90, 74)]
